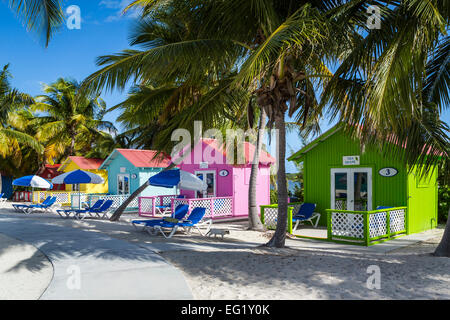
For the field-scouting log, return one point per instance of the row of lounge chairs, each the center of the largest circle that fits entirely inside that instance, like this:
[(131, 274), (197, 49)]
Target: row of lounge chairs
[(45, 206), (100, 209), (194, 221)]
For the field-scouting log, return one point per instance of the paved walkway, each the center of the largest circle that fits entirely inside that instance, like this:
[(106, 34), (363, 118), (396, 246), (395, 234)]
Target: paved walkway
[(91, 265)]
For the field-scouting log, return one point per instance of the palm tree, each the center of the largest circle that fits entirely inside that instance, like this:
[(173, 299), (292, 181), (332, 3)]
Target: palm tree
[(69, 120), (282, 47), (159, 104), (17, 144), (41, 16)]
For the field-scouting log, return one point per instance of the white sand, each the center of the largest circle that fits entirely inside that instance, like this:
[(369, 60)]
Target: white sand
[(236, 268)]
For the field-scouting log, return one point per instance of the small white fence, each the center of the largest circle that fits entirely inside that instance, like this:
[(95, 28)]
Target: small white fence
[(64, 198), (89, 199), (216, 208)]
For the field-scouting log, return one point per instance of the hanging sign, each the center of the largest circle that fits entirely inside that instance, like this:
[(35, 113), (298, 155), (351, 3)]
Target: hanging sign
[(388, 172), (350, 160)]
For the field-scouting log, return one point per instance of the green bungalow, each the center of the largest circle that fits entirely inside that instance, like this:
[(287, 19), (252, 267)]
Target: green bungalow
[(363, 197)]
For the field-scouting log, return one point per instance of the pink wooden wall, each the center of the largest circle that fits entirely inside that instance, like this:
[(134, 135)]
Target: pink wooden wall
[(234, 185)]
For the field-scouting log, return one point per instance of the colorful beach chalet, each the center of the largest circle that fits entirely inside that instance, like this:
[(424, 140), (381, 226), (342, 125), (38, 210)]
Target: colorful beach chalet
[(228, 183), (50, 171), (128, 169), (348, 186), (91, 165)]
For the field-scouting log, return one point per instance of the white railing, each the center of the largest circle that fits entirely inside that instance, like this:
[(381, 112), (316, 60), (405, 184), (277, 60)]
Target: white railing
[(90, 199), (63, 198), (216, 207)]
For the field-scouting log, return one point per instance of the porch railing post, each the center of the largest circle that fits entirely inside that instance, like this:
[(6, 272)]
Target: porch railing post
[(329, 225), (366, 228), (261, 208), (153, 206), (289, 220), (211, 207), (139, 205), (388, 224)]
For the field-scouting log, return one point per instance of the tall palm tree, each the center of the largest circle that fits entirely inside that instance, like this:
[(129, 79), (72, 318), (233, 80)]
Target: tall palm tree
[(41, 16), (69, 120), (159, 104), (283, 47), (17, 143)]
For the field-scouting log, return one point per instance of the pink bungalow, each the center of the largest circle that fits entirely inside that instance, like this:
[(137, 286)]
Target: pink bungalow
[(227, 193)]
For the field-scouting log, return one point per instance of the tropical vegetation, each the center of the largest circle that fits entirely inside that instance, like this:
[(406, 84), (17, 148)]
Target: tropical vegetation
[(196, 60)]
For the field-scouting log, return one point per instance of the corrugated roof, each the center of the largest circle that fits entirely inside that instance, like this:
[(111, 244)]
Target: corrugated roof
[(85, 163), (145, 158)]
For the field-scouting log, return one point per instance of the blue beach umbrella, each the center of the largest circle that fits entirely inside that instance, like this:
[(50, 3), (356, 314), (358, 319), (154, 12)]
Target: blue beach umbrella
[(78, 177), (179, 179), (33, 181)]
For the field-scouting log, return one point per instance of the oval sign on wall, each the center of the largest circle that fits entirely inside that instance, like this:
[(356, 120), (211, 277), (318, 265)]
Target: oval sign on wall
[(223, 173), (388, 172)]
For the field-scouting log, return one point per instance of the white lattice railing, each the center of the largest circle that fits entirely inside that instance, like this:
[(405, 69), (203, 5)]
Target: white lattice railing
[(63, 198), (217, 207), (147, 205), (269, 214), (90, 199), (366, 227)]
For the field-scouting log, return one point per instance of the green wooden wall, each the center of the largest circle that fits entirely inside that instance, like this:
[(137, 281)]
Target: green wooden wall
[(386, 191)]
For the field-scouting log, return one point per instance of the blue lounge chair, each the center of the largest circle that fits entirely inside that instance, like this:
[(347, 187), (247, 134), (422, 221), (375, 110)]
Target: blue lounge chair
[(194, 221), (166, 208), (306, 213), (40, 206), (180, 212), (100, 212), (66, 213), (20, 206)]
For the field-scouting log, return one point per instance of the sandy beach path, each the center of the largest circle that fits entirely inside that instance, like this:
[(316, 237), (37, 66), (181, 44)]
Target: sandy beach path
[(91, 265)]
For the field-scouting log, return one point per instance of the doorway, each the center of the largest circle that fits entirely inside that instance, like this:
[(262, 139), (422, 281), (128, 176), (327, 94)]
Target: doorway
[(351, 189), (123, 184), (210, 178)]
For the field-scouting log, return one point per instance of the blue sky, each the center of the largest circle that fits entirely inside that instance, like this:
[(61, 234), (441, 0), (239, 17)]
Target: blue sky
[(72, 53)]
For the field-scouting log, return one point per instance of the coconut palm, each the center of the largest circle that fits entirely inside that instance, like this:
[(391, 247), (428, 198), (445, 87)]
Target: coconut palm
[(13, 135), (282, 47), (69, 120), (41, 16)]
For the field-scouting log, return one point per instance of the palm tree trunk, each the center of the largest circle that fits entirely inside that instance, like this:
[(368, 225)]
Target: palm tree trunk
[(443, 249), (254, 221), (279, 238), (119, 211), (124, 205)]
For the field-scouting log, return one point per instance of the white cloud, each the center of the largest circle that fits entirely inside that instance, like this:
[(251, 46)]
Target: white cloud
[(119, 6)]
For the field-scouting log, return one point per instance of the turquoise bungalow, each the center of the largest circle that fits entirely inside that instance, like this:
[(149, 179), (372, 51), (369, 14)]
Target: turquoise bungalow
[(130, 168)]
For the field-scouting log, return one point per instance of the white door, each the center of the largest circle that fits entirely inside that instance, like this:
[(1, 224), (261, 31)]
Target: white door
[(351, 189), (210, 178), (123, 184)]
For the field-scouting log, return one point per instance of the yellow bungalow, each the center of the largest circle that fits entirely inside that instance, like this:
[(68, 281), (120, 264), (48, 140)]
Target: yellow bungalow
[(91, 165)]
